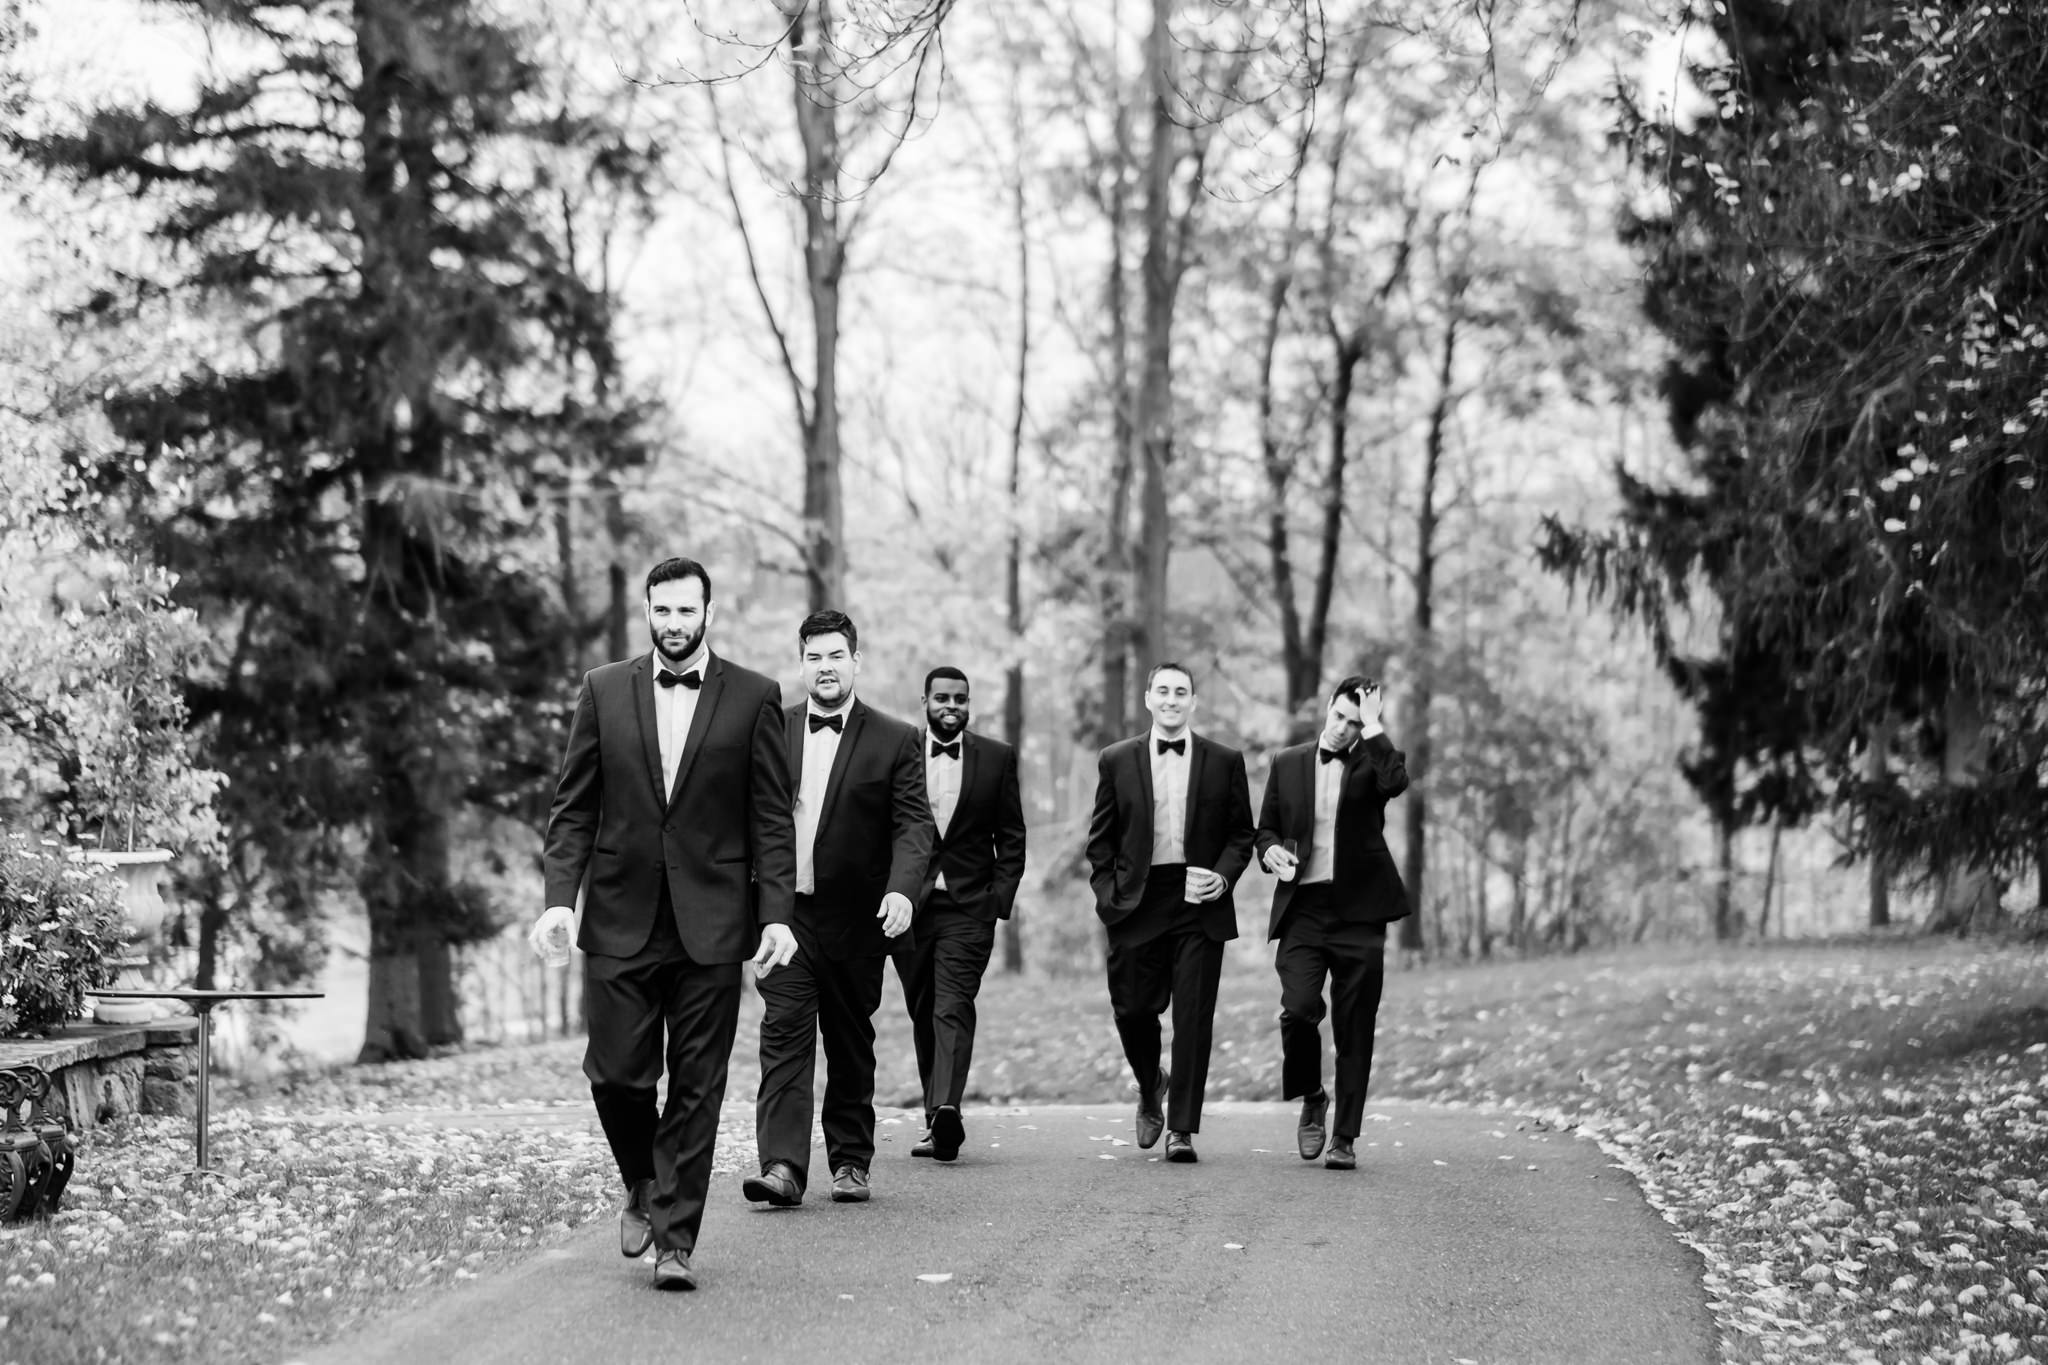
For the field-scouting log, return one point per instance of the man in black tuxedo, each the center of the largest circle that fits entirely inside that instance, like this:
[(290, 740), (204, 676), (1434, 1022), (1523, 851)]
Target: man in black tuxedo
[(1322, 832), (1170, 835), (971, 785), (671, 824), (863, 837)]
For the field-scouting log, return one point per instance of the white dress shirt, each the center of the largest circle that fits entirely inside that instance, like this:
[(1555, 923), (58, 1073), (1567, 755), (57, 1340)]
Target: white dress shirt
[(942, 787), (675, 707), (1321, 863), (1169, 799), (820, 748)]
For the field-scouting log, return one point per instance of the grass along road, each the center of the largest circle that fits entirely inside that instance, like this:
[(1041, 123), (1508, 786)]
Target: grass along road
[(1852, 1135)]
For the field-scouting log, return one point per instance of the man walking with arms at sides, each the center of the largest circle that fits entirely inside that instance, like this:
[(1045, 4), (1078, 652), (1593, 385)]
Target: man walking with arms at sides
[(863, 837), (1321, 831), (978, 810), (1170, 835), (672, 817)]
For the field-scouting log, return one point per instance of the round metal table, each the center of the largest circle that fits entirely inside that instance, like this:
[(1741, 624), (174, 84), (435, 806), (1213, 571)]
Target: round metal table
[(202, 1003)]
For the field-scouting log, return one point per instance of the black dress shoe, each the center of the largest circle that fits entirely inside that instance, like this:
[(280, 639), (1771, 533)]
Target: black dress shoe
[(849, 1185), (947, 1133), (1152, 1112), (636, 1225), (1308, 1138), (923, 1145), (1180, 1147), (775, 1185), (1341, 1157), (672, 1271)]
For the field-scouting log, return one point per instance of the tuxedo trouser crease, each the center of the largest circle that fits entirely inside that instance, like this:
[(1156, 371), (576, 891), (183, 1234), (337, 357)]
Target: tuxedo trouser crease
[(1173, 963), (808, 999), (941, 977), (629, 1003), (1314, 946)]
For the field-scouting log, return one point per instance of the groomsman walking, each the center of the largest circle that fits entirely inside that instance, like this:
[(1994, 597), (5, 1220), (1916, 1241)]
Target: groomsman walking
[(863, 837), (671, 825), (1170, 835), (978, 810), (1321, 831)]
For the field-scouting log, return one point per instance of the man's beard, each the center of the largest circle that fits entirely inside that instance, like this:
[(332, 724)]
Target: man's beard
[(940, 730), (677, 656)]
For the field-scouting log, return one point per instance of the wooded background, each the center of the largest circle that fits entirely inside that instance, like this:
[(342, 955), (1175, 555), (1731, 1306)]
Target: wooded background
[(1651, 394)]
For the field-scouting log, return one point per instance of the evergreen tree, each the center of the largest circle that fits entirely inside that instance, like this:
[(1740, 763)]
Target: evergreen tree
[(1849, 269), (354, 483)]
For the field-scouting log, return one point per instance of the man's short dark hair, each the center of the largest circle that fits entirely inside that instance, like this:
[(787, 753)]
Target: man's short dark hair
[(669, 570), (942, 671), (828, 623), (1354, 687), (1176, 666)]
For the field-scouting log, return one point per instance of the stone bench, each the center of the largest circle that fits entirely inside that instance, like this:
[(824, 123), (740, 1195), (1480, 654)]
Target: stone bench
[(102, 1071)]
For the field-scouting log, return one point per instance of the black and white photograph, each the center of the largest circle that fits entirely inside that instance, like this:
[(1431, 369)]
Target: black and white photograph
[(1042, 681)]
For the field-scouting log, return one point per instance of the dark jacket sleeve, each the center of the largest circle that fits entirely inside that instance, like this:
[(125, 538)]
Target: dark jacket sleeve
[(913, 832), (579, 800), (772, 828), (1237, 848), (1102, 834), (1010, 838), (1389, 766), (1269, 831)]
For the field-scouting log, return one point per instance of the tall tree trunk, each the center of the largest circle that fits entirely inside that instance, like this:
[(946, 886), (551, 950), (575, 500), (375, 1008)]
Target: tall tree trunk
[(1013, 561), (1279, 469), (1724, 877), (1875, 769), (1422, 690), (1763, 921), (817, 121), (440, 998), (1152, 419), (1967, 897), (1116, 567)]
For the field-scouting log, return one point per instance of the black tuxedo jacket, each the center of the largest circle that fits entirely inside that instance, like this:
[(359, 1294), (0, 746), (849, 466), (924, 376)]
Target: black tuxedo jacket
[(723, 838), (1218, 834), (982, 850), (875, 830), (1364, 884)]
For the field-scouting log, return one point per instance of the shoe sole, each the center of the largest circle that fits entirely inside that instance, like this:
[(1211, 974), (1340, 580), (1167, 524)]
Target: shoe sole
[(849, 1196), (1183, 1158), (1338, 1164), (675, 1283), (758, 1191), (948, 1132)]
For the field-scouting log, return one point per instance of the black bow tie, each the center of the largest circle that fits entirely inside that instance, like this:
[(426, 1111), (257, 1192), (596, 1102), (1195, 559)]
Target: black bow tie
[(946, 750), (1328, 755), (693, 679), (836, 724), (1178, 746)]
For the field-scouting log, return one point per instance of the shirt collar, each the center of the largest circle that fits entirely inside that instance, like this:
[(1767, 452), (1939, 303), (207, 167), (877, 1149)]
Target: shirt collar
[(696, 661), (844, 708)]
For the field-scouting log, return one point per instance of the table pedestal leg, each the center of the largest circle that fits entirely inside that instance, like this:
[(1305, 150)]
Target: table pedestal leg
[(205, 1069)]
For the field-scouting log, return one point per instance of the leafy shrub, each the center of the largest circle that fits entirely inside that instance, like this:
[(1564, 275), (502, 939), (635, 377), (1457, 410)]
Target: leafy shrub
[(60, 924)]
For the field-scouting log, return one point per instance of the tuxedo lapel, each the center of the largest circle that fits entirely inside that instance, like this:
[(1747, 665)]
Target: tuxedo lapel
[(855, 715), (1144, 760), (649, 723), (708, 693), (1198, 753), (1303, 783), (793, 737), (970, 762)]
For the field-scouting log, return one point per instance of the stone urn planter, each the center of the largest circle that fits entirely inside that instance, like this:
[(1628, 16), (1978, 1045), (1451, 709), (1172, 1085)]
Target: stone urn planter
[(141, 872)]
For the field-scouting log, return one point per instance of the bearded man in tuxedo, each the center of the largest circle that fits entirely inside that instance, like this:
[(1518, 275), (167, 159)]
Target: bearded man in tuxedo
[(978, 810), (671, 825), (863, 837)]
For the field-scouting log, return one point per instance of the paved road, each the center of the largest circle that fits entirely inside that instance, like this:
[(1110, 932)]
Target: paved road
[(1461, 1237)]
